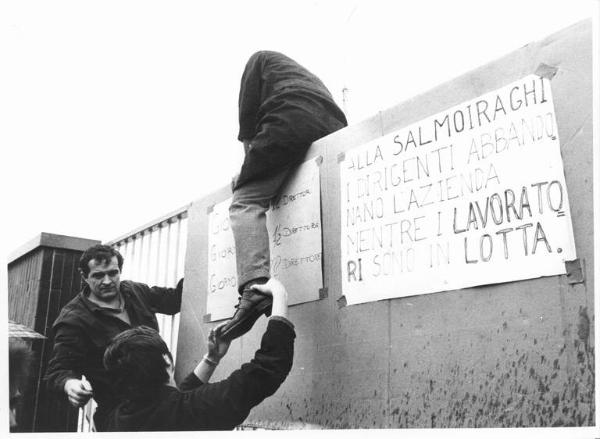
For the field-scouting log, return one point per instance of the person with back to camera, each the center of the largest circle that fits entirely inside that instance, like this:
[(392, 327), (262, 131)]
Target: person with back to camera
[(283, 109), (141, 370)]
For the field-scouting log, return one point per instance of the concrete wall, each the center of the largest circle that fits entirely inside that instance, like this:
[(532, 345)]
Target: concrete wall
[(512, 354)]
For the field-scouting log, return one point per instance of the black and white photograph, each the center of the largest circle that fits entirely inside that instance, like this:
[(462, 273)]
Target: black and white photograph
[(300, 217)]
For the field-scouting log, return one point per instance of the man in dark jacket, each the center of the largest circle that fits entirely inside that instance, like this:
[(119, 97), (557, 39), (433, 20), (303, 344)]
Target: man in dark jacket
[(283, 108), (141, 369), (86, 325)]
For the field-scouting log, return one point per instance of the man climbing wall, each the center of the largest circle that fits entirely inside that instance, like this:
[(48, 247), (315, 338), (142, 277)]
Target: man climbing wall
[(283, 109)]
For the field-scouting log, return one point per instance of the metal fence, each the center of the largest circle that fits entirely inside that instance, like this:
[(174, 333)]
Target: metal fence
[(155, 255)]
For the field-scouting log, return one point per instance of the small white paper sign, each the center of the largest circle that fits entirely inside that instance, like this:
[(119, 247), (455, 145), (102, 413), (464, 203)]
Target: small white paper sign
[(294, 225), (222, 279), (471, 196)]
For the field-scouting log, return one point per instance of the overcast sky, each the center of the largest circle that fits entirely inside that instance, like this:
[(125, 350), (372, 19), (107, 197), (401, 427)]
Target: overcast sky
[(114, 113)]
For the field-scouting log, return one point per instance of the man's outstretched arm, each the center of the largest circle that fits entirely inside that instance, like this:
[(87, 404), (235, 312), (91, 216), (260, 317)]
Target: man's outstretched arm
[(65, 367)]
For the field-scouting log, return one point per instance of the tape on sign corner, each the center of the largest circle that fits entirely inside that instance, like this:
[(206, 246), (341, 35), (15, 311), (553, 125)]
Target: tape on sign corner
[(575, 271), (210, 208), (342, 302), (546, 71), (341, 157), (206, 318), (319, 160), (323, 293)]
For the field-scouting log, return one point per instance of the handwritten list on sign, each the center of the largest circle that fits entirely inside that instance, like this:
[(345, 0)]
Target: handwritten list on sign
[(222, 279), (294, 225), (471, 196)]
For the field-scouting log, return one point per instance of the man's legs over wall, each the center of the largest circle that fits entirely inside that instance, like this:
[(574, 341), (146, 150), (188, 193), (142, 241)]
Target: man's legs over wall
[(248, 220)]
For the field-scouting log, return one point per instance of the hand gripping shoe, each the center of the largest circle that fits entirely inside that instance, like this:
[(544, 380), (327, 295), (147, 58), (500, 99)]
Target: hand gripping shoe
[(251, 305)]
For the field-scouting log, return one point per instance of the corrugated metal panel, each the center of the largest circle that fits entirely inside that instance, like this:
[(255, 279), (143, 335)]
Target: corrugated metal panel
[(155, 256), (23, 283)]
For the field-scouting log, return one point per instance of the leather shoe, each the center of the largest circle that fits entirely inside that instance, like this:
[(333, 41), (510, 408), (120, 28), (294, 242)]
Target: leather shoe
[(251, 305)]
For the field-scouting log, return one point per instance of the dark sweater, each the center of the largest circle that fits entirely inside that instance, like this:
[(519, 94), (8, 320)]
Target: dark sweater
[(283, 108), (83, 330), (213, 406)]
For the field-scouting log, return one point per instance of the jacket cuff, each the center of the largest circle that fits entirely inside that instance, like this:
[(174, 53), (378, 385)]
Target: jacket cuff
[(59, 384), (283, 320), (191, 381)]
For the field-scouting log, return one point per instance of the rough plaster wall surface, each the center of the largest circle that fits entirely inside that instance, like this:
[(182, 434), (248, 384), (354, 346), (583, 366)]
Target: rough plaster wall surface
[(505, 355)]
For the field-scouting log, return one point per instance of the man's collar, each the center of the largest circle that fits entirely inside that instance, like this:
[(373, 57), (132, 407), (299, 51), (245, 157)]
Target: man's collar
[(85, 294)]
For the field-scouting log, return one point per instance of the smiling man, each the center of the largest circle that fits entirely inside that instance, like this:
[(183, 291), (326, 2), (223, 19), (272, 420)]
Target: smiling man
[(104, 308)]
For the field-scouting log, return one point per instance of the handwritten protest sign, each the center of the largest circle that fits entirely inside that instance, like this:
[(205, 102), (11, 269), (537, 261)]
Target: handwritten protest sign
[(294, 225), (222, 279), (471, 196)]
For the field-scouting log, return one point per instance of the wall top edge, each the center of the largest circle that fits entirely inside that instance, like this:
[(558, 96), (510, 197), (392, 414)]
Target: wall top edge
[(52, 240)]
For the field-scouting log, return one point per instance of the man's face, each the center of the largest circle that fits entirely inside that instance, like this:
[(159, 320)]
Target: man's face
[(104, 279)]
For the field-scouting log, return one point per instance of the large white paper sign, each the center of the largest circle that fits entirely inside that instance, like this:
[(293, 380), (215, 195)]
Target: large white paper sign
[(471, 196), (294, 225)]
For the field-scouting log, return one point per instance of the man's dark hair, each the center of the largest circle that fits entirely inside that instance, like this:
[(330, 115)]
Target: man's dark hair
[(135, 364), (100, 253)]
